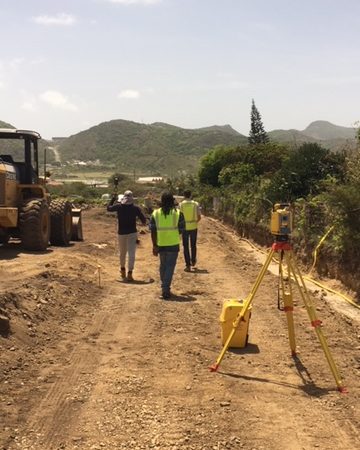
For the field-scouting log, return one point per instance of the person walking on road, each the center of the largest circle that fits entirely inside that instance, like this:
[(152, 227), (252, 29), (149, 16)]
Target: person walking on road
[(166, 225), (192, 214), (127, 213), (149, 202)]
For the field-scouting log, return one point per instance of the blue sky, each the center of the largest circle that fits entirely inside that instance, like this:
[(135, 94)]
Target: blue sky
[(68, 65)]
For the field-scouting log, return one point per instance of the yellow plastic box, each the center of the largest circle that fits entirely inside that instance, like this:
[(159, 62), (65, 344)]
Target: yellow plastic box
[(231, 308)]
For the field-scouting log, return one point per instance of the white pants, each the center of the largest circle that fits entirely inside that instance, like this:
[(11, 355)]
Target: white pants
[(127, 244)]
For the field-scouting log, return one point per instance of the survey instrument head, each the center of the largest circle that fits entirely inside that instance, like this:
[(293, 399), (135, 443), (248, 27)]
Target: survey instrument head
[(281, 221)]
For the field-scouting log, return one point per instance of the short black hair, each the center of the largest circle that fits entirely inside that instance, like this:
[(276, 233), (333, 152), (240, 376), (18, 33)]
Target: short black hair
[(187, 193)]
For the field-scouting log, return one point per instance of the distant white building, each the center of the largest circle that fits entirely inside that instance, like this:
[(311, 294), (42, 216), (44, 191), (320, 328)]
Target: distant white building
[(147, 180)]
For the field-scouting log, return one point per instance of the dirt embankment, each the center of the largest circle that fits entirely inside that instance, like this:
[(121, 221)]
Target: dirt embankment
[(115, 367)]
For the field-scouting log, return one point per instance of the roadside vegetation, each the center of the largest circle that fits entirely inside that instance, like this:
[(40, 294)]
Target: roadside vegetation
[(240, 184)]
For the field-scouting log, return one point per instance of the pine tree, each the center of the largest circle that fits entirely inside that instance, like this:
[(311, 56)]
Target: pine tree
[(257, 134), (357, 132)]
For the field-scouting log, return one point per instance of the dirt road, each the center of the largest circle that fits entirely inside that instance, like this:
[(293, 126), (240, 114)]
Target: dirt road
[(115, 367)]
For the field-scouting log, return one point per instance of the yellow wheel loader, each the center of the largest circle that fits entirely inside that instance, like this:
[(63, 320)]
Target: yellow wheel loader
[(26, 209)]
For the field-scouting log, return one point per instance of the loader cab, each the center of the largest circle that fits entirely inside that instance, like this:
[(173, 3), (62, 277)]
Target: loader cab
[(19, 149)]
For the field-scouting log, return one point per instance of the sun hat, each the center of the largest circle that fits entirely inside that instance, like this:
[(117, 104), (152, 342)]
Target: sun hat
[(128, 198)]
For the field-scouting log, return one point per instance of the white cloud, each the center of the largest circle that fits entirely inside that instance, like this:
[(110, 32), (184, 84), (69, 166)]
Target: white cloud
[(2, 85), (60, 19), (37, 61), (135, 2), (13, 64), (129, 93), (57, 100), (149, 91), (28, 106), (16, 62)]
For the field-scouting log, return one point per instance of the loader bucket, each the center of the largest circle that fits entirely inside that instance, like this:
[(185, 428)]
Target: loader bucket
[(77, 234)]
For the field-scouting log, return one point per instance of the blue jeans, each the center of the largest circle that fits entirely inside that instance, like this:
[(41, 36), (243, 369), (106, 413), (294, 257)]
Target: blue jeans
[(167, 267), (192, 236)]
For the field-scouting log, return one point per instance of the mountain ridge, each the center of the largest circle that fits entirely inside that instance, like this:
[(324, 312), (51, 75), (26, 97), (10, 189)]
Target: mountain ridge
[(156, 147), (162, 148), (320, 131), (324, 130)]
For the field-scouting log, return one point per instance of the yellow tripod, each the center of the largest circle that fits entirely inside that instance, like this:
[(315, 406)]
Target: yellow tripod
[(283, 247)]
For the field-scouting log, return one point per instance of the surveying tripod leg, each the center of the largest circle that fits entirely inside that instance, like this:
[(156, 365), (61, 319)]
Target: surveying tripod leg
[(315, 322), (289, 307), (240, 316)]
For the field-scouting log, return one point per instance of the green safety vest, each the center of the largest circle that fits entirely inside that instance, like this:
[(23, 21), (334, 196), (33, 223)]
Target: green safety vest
[(189, 209), (167, 227)]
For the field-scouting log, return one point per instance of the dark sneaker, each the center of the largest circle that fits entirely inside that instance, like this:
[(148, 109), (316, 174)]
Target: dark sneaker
[(187, 269), (129, 276), (123, 272), (165, 295), (193, 264)]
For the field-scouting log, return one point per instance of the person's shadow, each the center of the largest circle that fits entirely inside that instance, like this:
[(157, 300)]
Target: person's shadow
[(195, 270), (181, 298), (148, 281)]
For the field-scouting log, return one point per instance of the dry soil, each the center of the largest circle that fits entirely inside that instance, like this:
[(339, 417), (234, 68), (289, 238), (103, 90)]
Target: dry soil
[(114, 367)]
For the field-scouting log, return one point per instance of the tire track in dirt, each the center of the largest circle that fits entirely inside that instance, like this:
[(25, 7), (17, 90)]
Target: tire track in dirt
[(65, 397), (144, 410)]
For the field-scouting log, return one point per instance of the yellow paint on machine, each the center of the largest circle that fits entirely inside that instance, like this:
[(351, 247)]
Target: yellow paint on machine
[(8, 217), (230, 310)]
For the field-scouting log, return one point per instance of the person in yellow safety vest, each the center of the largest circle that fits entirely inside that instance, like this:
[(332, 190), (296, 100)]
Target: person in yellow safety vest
[(166, 225), (192, 214)]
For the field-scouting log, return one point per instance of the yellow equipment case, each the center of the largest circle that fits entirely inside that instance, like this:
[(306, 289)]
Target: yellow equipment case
[(231, 308)]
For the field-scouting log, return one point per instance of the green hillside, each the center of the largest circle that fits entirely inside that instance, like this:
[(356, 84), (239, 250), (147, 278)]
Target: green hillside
[(290, 136), (325, 133), (158, 147), (11, 147), (322, 130), (5, 125)]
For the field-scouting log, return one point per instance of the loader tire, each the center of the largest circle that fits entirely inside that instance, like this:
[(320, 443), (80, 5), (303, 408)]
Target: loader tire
[(4, 238), (61, 222), (77, 233), (34, 225)]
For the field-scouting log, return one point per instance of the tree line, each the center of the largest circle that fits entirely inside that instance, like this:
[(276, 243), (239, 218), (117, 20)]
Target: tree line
[(323, 187)]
